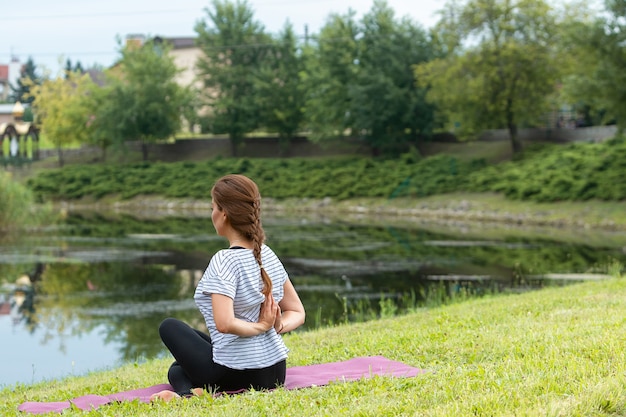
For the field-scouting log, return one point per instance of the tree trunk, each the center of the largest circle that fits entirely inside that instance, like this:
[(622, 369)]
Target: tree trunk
[(144, 150), (516, 144), (284, 142), (235, 143), (60, 154)]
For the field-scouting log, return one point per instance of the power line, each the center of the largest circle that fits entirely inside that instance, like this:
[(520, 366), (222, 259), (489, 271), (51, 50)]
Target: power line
[(83, 15), (137, 12), (314, 38), (56, 54)]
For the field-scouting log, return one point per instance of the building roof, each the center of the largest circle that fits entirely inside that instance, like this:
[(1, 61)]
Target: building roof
[(181, 43), (8, 108), (97, 76)]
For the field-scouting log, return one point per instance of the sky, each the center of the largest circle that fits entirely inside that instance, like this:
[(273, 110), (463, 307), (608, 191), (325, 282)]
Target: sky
[(87, 31)]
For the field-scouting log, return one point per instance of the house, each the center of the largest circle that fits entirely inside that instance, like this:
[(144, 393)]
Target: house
[(9, 74), (186, 54)]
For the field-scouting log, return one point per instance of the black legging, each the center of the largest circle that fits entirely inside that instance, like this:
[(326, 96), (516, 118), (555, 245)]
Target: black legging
[(194, 366)]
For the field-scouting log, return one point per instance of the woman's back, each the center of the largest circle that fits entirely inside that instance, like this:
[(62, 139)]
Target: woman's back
[(235, 273)]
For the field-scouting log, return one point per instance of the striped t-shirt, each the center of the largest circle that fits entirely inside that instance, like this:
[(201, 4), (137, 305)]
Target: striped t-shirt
[(236, 274)]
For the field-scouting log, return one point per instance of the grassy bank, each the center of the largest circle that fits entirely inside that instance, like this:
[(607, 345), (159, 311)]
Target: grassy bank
[(482, 210), (555, 352), (17, 206), (572, 186)]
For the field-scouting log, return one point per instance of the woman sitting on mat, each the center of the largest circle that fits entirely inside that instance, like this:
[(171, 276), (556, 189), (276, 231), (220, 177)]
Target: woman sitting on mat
[(247, 301)]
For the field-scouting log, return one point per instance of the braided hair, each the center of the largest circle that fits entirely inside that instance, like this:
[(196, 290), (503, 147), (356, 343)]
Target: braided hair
[(238, 196)]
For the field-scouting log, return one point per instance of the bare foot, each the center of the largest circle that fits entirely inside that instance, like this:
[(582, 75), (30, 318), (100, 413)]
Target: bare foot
[(165, 395)]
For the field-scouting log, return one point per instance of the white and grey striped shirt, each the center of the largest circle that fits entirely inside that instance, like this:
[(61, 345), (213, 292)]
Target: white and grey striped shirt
[(236, 274)]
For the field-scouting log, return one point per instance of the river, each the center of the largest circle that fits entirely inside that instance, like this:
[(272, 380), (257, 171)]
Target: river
[(101, 283)]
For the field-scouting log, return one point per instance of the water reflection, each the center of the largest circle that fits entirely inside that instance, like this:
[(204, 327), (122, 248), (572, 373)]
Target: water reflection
[(17, 299), (98, 287)]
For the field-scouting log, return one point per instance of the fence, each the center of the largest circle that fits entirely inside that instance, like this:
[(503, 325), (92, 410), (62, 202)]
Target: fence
[(268, 147)]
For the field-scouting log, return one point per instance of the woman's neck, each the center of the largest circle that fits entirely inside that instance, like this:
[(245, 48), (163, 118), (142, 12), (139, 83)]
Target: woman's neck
[(240, 242)]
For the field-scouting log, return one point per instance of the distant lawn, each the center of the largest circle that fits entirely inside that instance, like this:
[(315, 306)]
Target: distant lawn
[(491, 151)]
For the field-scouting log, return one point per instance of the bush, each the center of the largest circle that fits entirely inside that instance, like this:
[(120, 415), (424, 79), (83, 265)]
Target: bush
[(17, 205), (575, 172)]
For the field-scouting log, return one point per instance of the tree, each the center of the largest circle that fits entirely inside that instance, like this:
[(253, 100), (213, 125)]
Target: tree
[(234, 45), (360, 79), (280, 91), (597, 83), (331, 66), (499, 69), (73, 68), (28, 77), (104, 113), (386, 103), (142, 101), (59, 109)]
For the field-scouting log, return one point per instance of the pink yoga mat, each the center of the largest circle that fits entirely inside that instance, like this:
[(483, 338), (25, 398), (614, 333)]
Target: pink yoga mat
[(297, 377)]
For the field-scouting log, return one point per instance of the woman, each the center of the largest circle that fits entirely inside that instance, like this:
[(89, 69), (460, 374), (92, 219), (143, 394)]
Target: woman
[(247, 301)]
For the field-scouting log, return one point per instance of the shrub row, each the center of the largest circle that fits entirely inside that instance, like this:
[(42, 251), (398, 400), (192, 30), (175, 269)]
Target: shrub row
[(580, 171), (339, 178), (574, 172)]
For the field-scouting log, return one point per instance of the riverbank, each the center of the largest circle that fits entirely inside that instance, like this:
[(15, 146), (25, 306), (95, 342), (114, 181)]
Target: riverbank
[(561, 187), (558, 351), (445, 208)]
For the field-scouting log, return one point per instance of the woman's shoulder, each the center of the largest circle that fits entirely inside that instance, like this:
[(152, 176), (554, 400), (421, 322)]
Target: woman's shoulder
[(266, 250), (264, 246), (223, 255), (270, 258)]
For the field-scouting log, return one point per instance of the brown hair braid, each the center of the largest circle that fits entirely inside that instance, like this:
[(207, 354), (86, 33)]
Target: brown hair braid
[(239, 197)]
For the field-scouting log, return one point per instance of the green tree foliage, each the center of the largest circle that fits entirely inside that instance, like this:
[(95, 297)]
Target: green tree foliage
[(499, 67), (331, 67), (28, 77), (60, 109), (386, 102), (78, 67), (234, 46), (598, 80), (142, 101), (360, 79), (280, 91), (105, 108)]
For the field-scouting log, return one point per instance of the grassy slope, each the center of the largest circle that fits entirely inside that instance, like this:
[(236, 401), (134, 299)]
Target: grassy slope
[(557, 352), (588, 215)]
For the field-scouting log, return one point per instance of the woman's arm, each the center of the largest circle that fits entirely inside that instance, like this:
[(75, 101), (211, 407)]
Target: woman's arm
[(226, 322), (292, 310)]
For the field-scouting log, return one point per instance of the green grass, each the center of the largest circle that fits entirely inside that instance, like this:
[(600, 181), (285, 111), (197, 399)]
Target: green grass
[(579, 172), (493, 152), (477, 213), (554, 352), (17, 206)]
